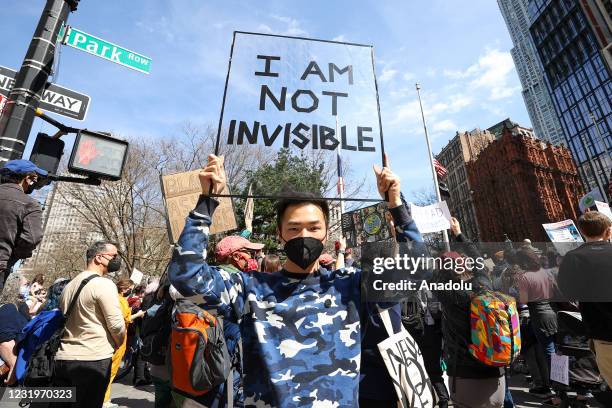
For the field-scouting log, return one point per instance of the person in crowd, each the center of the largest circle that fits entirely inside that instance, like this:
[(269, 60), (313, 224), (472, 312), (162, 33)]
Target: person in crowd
[(35, 301), (53, 297), (302, 328), (96, 327), (271, 263), (473, 384), (20, 214), (11, 324), (536, 288), (327, 261), (585, 275), (124, 290), (233, 253)]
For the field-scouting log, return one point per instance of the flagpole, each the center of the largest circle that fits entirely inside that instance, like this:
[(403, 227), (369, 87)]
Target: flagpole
[(431, 162)]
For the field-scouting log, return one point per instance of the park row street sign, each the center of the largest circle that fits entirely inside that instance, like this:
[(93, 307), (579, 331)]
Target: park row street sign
[(101, 48), (56, 99)]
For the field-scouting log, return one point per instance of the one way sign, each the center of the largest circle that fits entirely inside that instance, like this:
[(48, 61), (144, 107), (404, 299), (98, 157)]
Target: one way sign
[(56, 99)]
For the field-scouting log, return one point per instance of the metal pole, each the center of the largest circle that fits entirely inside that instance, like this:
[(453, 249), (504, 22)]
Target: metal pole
[(341, 187), (31, 80), (431, 163)]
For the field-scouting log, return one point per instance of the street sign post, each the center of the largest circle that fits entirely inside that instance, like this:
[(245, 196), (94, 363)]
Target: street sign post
[(56, 99), (101, 48)]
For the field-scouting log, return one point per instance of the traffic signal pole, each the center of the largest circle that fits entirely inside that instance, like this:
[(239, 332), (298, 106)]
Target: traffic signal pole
[(18, 116)]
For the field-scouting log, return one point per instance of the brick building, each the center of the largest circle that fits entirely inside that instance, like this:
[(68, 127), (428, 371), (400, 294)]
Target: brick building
[(464, 147), (520, 182)]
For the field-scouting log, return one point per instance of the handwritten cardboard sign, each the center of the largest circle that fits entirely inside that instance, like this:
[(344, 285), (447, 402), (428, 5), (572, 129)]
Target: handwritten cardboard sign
[(181, 192)]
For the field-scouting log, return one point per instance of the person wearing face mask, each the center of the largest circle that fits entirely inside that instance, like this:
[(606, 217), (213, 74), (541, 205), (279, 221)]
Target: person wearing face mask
[(125, 287), (20, 214), (94, 330), (233, 254), (300, 326)]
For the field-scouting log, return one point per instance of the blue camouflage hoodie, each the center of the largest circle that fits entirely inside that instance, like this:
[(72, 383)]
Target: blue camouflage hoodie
[(301, 333)]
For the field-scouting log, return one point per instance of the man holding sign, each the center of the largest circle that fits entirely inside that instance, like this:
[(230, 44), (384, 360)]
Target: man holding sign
[(301, 326)]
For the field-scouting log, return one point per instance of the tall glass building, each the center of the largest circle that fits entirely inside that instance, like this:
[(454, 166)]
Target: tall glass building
[(580, 84), (535, 92)]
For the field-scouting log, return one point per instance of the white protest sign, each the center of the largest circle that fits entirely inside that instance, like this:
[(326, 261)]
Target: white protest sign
[(588, 200), (432, 218), (561, 233), (136, 276), (404, 362), (604, 208), (559, 369), (311, 97)]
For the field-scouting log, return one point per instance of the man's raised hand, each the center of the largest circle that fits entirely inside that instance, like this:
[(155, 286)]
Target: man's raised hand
[(388, 183), (213, 175)]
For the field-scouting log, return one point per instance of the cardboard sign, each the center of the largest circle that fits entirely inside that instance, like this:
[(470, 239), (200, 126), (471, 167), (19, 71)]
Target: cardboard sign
[(181, 192), (559, 369), (367, 224), (432, 218), (313, 97), (604, 208), (560, 233), (406, 367)]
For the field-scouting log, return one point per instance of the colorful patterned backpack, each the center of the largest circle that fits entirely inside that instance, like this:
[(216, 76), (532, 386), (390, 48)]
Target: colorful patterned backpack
[(495, 328)]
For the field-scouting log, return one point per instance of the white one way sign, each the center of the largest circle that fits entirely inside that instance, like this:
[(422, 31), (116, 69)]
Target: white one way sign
[(56, 99)]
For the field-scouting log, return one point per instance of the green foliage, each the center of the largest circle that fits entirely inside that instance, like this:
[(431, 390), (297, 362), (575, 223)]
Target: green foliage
[(289, 172)]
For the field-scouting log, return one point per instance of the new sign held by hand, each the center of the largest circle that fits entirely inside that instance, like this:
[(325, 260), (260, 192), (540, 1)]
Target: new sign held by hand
[(312, 97)]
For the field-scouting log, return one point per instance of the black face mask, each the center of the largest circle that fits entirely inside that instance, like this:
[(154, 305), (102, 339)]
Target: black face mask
[(303, 251), (128, 293), (114, 264)]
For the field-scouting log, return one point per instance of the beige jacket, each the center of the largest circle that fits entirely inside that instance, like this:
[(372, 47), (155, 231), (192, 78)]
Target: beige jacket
[(96, 323)]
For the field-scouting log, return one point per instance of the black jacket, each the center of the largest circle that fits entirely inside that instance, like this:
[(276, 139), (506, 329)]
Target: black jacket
[(456, 320), (585, 275), (20, 225)]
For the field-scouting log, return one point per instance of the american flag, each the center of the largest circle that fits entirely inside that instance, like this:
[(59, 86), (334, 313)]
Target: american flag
[(440, 169), (340, 177)]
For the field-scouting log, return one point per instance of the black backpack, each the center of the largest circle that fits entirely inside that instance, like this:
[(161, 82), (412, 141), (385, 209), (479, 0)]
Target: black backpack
[(42, 362), (155, 333)]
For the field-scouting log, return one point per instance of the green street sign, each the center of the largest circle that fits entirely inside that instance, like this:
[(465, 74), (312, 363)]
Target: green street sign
[(104, 49)]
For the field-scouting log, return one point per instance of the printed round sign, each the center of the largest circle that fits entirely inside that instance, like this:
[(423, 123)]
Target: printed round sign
[(372, 224)]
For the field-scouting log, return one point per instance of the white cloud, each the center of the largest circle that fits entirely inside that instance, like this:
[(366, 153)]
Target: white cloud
[(490, 73), (408, 76), (445, 125), (340, 38), (387, 74), (293, 26)]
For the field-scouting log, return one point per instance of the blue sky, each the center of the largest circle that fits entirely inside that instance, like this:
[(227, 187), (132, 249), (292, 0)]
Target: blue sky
[(457, 50)]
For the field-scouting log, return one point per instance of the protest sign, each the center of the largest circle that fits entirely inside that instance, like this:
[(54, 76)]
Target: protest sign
[(604, 208), (181, 192), (559, 369), (312, 97), (560, 233), (588, 200), (405, 365), (136, 276), (367, 224), (432, 218)]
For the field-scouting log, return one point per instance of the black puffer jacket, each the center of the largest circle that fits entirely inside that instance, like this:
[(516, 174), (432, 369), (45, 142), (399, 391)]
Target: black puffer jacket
[(456, 319)]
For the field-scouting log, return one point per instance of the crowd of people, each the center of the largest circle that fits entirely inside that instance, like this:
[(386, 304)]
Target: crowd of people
[(298, 329)]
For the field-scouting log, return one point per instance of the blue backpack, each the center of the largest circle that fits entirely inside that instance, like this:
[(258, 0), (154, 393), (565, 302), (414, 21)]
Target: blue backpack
[(41, 339)]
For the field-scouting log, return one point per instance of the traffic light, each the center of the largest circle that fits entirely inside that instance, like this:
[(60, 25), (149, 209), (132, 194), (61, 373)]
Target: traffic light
[(98, 155), (47, 152)]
